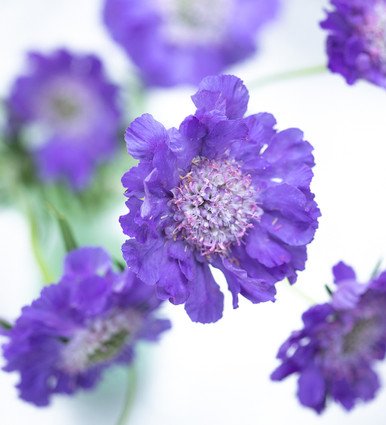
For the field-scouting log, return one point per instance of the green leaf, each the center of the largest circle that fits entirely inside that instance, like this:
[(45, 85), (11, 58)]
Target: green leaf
[(65, 229), (5, 325), (119, 264), (329, 290)]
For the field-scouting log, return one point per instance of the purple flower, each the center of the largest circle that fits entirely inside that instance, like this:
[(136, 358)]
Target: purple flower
[(177, 41), (91, 319), (221, 190), (334, 354), (356, 44), (69, 113)]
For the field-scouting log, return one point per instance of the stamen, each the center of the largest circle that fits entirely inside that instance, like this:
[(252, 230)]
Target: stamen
[(196, 22), (215, 205), (375, 32), (64, 106), (101, 340)]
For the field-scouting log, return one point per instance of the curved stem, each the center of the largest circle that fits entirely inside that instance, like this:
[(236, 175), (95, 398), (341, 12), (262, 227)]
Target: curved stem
[(131, 391), (287, 75), (305, 297)]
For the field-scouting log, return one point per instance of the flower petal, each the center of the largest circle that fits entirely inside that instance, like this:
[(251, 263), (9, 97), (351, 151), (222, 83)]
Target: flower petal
[(143, 136), (225, 93), (206, 302)]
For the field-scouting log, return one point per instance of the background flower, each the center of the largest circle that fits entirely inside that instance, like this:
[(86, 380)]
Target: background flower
[(68, 111), (77, 328), (335, 352), (356, 44), (179, 41)]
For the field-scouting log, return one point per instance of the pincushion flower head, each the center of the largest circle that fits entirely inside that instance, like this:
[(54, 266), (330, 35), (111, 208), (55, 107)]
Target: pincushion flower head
[(220, 190), (91, 319), (356, 44), (335, 352), (69, 113), (179, 41)]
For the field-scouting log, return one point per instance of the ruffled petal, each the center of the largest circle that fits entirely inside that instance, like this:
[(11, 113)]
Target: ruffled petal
[(348, 294), (155, 199), (143, 136), (262, 247), (278, 157), (206, 302), (312, 389), (225, 93), (289, 215), (260, 132), (172, 284), (222, 136), (254, 289), (133, 179), (86, 261), (153, 329), (186, 142), (342, 271), (92, 295), (316, 315), (145, 259)]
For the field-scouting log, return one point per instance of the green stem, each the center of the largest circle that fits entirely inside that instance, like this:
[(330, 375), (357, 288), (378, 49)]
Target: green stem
[(376, 269), (287, 75), (132, 383), (36, 248), (65, 229), (137, 96), (305, 297)]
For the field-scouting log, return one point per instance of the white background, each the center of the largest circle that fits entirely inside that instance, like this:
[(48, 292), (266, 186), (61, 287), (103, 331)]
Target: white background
[(219, 374)]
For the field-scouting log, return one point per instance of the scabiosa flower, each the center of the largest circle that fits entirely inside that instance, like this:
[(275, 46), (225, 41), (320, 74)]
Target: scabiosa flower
[(335, 352), (221, 190), (179, 41), (69, 111), (356, 44), (77, 328)]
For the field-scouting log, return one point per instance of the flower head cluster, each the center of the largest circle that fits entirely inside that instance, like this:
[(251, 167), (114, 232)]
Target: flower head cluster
[(182, 41), (69, 112), (356, 44), (221, 190), (335, 352), (91, 319)]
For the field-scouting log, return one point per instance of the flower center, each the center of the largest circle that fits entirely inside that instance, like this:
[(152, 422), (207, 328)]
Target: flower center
[(214, 205), (66, 106), (362, 337), (375, 31), (102, 340), (195, 21)]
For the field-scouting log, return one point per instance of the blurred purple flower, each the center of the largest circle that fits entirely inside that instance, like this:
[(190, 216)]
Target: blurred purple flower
[(70, 111), (356, 44), (179, 41), (221, 190), (91, 319), (335, 352)]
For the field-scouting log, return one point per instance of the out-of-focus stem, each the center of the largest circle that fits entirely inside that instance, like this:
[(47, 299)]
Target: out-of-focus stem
[(305, 297), (376, 269), (36, 247), (132, 381), (287, 75)]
